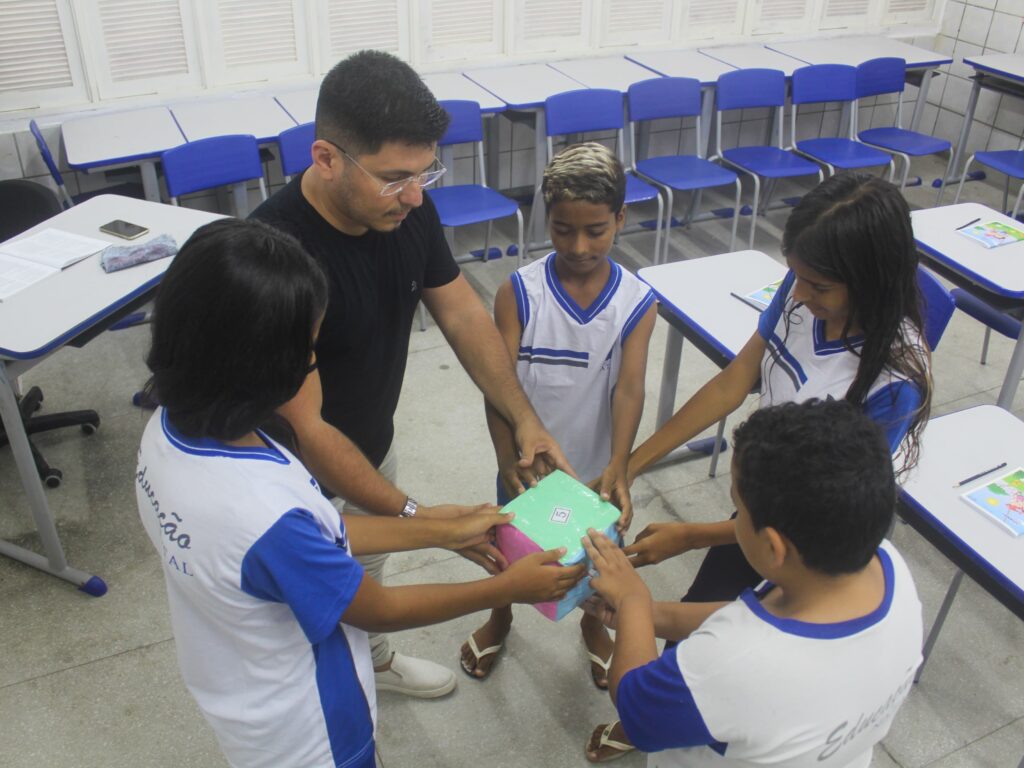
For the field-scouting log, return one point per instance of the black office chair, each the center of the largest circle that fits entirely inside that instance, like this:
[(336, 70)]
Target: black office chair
[(23, 204)]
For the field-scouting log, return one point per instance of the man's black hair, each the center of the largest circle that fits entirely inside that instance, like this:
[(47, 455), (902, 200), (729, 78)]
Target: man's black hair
[(233, 328), (371, 98), (820, 473)]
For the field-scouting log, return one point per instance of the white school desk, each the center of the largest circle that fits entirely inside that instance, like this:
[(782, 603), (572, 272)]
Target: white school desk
[(135, 137), (524, 88), (857, 50), (694, 297), (999, 272), (752, 56), (693, 64), (955, 447), (72, 306), (300, 105), (999, 72), (261, 116)]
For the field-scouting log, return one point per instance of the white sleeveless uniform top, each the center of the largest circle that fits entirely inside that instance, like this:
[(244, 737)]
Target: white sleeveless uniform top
[(569, 356)]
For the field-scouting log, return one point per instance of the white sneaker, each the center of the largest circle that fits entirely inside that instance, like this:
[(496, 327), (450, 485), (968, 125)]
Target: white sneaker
[(418, 678)]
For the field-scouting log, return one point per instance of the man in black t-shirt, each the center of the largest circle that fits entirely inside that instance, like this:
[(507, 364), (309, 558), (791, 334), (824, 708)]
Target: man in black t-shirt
[(360, 210)]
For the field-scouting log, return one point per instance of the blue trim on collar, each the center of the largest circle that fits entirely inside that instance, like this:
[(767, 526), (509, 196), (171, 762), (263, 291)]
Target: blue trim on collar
[(209, 447), (834, 631), (568, 303), (823, 347)]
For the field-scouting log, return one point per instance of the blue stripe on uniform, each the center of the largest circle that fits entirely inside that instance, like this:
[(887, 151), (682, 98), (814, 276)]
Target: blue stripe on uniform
[(638, 312), (522, 300), (788, 357)]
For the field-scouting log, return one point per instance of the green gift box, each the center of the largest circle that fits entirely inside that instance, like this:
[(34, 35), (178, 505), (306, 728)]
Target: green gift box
[(557, 513)]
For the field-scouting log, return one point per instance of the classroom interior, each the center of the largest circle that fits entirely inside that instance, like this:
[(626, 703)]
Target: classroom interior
[(94, 681)]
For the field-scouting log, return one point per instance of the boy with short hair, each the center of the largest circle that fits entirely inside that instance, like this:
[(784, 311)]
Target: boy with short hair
[(809, 668), (578, 326)]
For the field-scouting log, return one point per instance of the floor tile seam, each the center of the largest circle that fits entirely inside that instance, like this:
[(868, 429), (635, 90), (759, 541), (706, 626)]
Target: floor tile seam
[(971, 743), (98, 659)]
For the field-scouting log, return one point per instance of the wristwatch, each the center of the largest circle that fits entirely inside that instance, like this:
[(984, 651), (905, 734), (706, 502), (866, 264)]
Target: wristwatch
[(409, 510)]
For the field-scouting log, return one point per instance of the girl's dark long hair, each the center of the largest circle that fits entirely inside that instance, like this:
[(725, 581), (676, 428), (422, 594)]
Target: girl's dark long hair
[(855, 229), (233, 328)]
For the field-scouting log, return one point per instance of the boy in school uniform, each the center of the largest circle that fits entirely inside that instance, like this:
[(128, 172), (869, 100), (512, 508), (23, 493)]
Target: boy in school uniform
[(577, 326), (810, 668)]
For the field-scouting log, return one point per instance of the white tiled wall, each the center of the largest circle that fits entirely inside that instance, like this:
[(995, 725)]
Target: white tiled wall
[(973, 28)]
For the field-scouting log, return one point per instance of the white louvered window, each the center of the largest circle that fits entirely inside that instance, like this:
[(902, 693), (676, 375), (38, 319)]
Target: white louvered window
[(545, 26), (907, 11), (848, 14), (709, 20), (139, 47), (39, 59), (252, 41), (452, 30), (635, 22), (771, 17), (346, 26)]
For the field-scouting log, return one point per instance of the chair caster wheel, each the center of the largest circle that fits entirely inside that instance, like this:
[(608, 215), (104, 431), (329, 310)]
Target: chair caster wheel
[(53, 478), (90, 429)]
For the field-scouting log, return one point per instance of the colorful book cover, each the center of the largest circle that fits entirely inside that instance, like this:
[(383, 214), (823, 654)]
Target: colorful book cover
[(1001, 500), (763, 296), (993, 234)]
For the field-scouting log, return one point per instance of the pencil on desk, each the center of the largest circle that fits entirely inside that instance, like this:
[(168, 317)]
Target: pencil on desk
[(748, 302)]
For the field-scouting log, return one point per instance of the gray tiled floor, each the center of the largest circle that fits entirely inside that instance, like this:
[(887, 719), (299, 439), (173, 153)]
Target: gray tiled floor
[(86, 682)]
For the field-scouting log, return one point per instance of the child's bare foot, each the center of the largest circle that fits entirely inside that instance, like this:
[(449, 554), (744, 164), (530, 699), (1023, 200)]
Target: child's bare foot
[(480, 652), (599, 649), (608, 742)]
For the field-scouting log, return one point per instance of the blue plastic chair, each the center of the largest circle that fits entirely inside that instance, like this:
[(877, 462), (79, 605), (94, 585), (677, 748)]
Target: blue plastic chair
[(821, 83), (884, 76), (294, 145), (128, 188), (992, 318), (751, 89), (937, 307), (597, 109), (214, 162), (1009, 162), (676, 97), (463, 204)]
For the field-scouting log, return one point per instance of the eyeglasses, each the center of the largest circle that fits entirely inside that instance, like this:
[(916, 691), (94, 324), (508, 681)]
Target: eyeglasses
[(392, 188)]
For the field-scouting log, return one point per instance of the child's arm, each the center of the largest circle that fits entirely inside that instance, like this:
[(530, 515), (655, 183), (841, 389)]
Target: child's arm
[(376, 535), (672, 621), (621, 586), (712, 402), (532, 579), (627, 408), (502, 436)]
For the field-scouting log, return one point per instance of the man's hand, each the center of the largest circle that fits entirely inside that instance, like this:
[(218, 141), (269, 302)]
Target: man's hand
[(616, 578), (472, 529), (537, 578), (659, 541), (613, 486), (539, 453)]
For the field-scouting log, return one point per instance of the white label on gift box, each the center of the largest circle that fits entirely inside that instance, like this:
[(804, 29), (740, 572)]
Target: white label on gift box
[(561, 515)]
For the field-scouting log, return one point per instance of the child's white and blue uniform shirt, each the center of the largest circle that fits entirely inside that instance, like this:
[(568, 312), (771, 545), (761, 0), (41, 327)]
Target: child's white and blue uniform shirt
[(258, 574), (748, 688), (800, 364), (569, 356)]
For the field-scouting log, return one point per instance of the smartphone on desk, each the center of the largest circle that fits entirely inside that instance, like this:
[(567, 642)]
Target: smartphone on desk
[(125, 229)]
